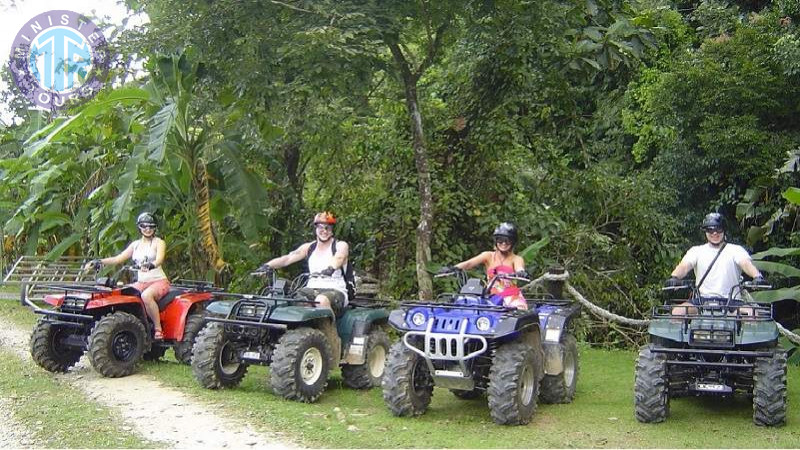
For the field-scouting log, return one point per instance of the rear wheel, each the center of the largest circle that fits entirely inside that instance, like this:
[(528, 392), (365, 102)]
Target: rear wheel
[(183, 348), (651, 387), (117, 344), (48, 349), (561, 388), (215, 362), (300, 365), (514, 384), (369, 374), (769, 390), (407, 383)]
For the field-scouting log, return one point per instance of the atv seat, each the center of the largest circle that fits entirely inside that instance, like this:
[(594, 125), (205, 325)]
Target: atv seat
[(130, 290), (164, 301), (473, 286)]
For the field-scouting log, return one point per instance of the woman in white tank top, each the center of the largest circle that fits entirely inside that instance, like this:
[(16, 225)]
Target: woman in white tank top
[(148, 254)]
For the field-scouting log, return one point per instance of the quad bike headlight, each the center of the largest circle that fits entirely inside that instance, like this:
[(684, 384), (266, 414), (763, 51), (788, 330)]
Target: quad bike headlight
[(483, 323), (418, 319)]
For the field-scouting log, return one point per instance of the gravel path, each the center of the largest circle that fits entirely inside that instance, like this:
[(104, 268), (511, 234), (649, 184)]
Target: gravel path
[(151, 410)]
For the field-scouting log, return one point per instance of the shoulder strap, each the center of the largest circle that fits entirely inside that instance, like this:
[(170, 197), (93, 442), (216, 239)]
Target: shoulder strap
[(711, 265), (311, 249)]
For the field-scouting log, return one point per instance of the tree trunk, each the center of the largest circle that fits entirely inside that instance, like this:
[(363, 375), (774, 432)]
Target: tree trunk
[(425, 196), (203, 199), (424, 284)]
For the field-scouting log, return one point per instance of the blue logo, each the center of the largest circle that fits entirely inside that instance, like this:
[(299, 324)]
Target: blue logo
[(59, 56)]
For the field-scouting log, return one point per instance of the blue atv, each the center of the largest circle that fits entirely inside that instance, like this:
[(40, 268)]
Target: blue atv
[(559, 345), (471, 344)]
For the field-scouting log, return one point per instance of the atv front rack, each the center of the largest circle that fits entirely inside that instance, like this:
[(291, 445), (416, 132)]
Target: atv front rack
[(492, 308), (262, 308), (196, 285), (717, 312)]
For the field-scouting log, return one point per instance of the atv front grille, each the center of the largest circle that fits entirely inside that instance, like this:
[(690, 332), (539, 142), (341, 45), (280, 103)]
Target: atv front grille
[(446, 346)]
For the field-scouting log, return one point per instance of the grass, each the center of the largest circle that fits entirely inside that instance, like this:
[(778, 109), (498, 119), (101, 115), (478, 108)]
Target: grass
[(600, 416), (58, 415)]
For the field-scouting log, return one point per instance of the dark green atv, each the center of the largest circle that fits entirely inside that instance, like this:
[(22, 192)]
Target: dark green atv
[(712, 350), (300, 343)]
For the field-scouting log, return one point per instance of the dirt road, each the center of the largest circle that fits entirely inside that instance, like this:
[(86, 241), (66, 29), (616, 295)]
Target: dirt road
[(153, 411)]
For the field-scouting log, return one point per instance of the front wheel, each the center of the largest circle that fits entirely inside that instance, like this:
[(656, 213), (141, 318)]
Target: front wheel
[(48, 349), (561, 388), (300, 365), (369, 374), (117, 344), (769, 391), (651, 387), (215, 361), (407, 383), (514, 384)]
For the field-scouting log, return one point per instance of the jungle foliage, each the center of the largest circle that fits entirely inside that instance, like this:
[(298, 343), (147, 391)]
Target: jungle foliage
[(604, 129)]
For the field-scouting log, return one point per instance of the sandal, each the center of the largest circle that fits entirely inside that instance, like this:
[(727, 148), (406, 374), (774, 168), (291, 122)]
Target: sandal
[(158, 335)]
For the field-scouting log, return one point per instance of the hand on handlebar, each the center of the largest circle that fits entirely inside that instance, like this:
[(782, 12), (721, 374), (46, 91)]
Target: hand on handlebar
[(447, 270), (327, 271), (94, 264), (522, 273), (263, 270)]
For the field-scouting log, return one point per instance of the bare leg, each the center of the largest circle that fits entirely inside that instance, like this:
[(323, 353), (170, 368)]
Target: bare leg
[(323, 302), (150, 305), (683, 309)]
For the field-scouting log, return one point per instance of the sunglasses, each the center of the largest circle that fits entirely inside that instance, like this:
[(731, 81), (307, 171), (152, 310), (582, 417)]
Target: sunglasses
[(714, 230), (502, 241), (147, 227), (323, 226)]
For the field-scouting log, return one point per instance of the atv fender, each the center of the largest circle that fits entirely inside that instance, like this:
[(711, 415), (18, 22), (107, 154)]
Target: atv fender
[(220, 308), (553, 361), (353, 328)]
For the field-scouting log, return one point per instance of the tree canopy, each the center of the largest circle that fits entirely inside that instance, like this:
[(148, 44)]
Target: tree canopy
[(604, 129)]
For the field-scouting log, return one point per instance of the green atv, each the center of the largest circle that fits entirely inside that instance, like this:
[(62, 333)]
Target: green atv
[(715, 349), (300, 342)]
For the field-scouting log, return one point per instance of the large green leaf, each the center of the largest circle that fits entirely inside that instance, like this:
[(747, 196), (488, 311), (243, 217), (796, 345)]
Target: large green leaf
[(243, 190), (530, 252), (777, 251), (160, 126), (792, 293), (52, 219), (779, 268), (793, 195), (63, 246)]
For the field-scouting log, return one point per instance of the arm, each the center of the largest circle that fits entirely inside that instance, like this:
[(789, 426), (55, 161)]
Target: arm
[(473, 262), (161, 252), (519, 263), (681, 269), (747, 267), (296, 255), (121, 258), (342, 252)]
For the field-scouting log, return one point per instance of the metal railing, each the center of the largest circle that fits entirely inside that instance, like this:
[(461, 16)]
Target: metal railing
[(33, 275)]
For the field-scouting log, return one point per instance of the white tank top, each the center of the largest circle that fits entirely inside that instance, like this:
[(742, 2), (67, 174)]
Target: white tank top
[(320, 260), (145, 253)]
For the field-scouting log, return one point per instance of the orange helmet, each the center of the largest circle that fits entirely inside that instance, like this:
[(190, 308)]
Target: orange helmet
[(325, 217)]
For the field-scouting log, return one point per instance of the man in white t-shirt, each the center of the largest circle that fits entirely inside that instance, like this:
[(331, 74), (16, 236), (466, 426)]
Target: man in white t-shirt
[(724, 275)]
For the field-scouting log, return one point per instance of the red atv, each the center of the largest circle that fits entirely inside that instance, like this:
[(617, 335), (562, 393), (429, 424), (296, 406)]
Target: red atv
[(110, 322)]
